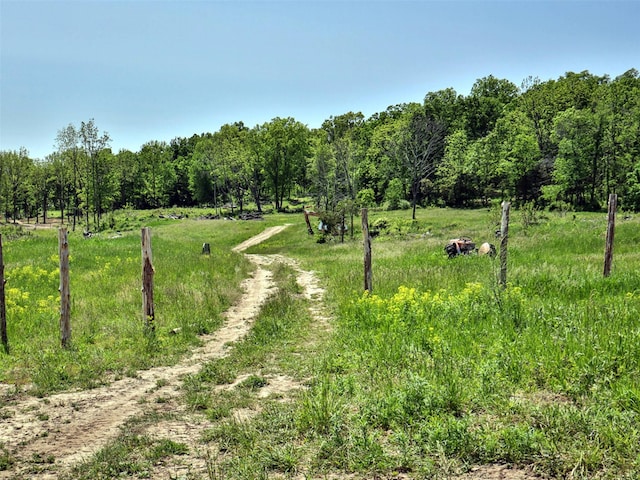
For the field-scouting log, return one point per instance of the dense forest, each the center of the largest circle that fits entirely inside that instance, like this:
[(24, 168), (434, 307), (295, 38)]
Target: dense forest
[(565, 143)]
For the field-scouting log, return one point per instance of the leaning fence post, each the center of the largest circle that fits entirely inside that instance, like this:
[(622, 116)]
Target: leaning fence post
[(3, 305), (306, 219), (65, 295), (504, 239), (611, 223), (147, 280), (367, 251)]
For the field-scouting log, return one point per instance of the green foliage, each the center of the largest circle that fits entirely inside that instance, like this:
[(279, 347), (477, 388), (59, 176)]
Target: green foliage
[(455, 179), (530, 215), (395, 196), (366, 198)]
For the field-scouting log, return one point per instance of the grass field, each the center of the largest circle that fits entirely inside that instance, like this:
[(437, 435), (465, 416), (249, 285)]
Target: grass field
[(434, 371)]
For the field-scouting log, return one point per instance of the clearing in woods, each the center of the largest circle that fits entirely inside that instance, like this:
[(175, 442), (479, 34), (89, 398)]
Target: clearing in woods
[(45, 437)]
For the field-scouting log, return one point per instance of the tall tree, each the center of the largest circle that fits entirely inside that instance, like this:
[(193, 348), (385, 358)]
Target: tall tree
[(68, 143), (322, 170), (128, 177), (344, 135), (620, 109), (514, 144), (578, 134), (447, 107), (286, 143), (256, 177), (183, 149), (456, 181), (542, 101), (384, 148), (93, 144), (17, 168), (201, 181), (422, 148), (486, 104), (158, 175), (233, 163), (43, 184), (61, 186)]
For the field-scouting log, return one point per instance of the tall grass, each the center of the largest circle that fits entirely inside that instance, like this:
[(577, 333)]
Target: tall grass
[(435, 370), (441, 361), (108, 339)]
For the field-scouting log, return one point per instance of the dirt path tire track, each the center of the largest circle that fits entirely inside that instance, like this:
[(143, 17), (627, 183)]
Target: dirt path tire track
[(69, 427)]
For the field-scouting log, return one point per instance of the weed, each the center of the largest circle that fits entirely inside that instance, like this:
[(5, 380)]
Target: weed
[(254, 382), (6, 459), (166, 448)]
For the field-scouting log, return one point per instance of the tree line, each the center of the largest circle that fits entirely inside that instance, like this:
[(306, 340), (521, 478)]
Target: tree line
[(564, 143)]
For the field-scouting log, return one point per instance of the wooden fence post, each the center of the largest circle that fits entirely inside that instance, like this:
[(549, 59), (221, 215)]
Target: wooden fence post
[(368, 277), (65, 295), (611, 223), (147, 280), (504, 239), (3, 305), (306, 219)]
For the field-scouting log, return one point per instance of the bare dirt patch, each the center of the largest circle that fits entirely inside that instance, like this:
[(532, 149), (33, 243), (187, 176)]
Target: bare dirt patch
[(498, 472)]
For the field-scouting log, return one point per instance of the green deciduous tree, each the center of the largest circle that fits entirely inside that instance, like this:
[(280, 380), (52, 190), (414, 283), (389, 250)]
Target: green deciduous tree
[(128, 177), (456, 181), (620, 109), (518, 155), (286, 147), (234, 161), (43, 185), (486, 103), (322, 172), (447, 107), (68, 144), (157, 172), (578, 134), (343, 135), (16, 175), (97, 170), (201, 181)]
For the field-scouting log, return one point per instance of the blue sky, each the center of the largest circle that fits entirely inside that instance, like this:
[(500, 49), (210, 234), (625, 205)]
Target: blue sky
[(158, 69)]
